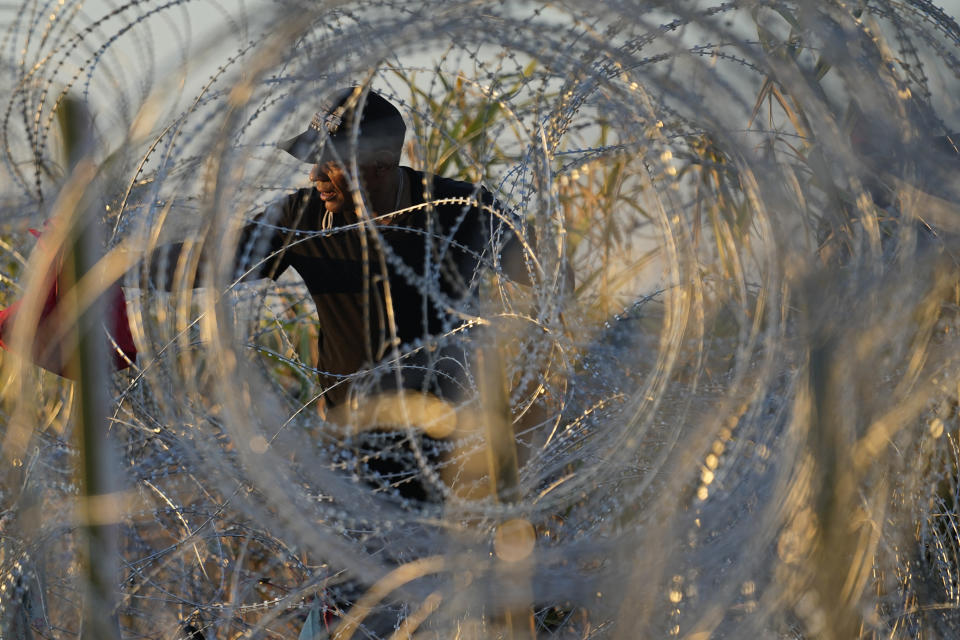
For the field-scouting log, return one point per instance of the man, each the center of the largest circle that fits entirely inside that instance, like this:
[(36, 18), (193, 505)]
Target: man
[(383, 267)]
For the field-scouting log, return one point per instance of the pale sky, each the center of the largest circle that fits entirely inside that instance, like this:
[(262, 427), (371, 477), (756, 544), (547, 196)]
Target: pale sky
[(201, 33)]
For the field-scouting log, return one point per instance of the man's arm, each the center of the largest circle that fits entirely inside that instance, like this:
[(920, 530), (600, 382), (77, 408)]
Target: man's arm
[(260, 252), (512, 255), (515, 267)]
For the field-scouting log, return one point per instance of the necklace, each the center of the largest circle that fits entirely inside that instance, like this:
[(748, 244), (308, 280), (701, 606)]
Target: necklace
[(396, 205)]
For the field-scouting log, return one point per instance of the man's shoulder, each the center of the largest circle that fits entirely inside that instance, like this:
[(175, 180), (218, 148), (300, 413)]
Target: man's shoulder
[(438, 187), (450, 188)]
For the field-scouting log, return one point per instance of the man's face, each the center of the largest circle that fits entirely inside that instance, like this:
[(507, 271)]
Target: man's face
[(331, 181)]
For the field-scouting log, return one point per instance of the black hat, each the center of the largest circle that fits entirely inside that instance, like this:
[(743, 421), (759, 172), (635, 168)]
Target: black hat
[(329, 135)]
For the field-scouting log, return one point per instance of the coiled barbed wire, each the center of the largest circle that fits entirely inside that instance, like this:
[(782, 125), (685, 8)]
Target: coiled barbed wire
[(740, 422)]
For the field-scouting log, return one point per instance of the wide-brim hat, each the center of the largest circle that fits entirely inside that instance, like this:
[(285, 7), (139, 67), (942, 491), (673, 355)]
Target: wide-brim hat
[(335, 134)]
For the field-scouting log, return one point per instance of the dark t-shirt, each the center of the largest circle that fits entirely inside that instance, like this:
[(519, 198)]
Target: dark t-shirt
[(380, 284)]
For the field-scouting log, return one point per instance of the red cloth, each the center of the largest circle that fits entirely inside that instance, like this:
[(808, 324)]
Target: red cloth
[(51, 355)]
